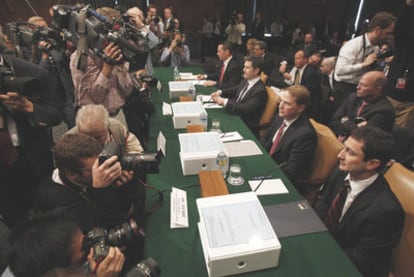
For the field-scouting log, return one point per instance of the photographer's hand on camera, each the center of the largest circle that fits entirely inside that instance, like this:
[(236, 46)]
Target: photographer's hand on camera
[(112, 52), (125, 177), (370, 60), (17, 102), (111, 266), (107, 173)]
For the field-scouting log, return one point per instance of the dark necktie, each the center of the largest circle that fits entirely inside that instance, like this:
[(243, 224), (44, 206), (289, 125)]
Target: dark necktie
[(297, 77), (277, 139), (242, 92), (335, 210), (222, 73), (361, 108)]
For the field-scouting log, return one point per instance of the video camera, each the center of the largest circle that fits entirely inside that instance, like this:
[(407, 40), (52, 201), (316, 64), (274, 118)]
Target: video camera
[(26, 34), (142, 162), (98, 31), (25, 86)]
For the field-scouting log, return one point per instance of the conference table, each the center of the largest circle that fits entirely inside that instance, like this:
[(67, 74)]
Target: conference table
[(178, 251)]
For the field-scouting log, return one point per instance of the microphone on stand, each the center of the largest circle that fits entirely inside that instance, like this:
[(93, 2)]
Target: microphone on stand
[(264, 177)]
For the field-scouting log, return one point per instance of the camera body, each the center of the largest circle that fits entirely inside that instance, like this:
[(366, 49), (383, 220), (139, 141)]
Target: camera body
[(26, 35), (100, 239), (100, 31), (25, 86), (142, 162)]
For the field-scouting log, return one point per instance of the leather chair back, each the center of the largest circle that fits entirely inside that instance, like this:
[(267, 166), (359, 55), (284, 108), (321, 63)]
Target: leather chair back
[(325, 157), (401, 181), (269, 111)]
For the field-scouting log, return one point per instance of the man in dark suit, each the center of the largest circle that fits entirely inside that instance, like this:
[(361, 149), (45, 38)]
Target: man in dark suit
[(25, 157), (308, 45), (258, 27), (228, 74), (249, 98), (306, 75), (291, 139), (269, 61), (358, 207), (368, 106)]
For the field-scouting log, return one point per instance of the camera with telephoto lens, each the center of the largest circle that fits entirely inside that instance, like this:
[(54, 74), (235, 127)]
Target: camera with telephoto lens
[(100, 239), (145, 268), (99, 31), (25, 86), (26, 34), (138, 162)]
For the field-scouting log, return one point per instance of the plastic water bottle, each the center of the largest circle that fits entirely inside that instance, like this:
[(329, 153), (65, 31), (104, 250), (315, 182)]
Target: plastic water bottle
[(192, 92), (204, 119), (176, 74), (222, 163)]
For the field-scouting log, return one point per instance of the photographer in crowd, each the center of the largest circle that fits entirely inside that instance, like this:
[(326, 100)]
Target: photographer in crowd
[(28, 107), (359, 55), (104, 80), (235, 30), (80, 186), (177, 53), (44, 244), (55, 61)]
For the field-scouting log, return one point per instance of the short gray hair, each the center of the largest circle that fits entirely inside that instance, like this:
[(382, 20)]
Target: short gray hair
[(90, 115)]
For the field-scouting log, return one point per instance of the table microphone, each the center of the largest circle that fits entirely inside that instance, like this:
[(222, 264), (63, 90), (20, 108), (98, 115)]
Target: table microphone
[(267, 173)]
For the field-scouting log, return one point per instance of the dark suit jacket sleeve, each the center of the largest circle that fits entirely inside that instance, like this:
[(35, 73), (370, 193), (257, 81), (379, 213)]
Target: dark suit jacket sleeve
[(47, 110), (323, 204), (336, 124), (380, 233), (252, 103), (301, 154)]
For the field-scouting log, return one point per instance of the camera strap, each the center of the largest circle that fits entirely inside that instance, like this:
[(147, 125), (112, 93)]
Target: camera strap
[(159, 201)]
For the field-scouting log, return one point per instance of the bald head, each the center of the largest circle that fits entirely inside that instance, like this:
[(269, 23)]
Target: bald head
[(371, 85)]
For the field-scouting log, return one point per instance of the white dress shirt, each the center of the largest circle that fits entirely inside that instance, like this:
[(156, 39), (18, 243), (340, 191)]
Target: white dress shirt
[(349, 67), (356, 188)]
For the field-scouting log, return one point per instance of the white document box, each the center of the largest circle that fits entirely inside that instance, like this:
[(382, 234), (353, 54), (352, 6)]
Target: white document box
[(236, 234), (179, 88), (186, 113), (198, 151)]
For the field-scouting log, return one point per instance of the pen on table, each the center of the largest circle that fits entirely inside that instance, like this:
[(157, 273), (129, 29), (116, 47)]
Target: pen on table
[(262, 177)]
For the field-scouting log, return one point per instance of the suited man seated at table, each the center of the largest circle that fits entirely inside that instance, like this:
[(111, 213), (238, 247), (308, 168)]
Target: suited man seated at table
[(249, 98), (228, 74), (367, 107), (291, 139), (358, 207)]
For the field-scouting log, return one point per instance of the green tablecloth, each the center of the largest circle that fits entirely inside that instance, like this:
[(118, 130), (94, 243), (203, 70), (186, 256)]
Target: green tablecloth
[(179, 252)]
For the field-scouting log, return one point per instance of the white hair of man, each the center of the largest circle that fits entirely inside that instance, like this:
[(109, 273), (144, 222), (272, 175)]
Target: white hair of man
[(330, 61), (91, 116)]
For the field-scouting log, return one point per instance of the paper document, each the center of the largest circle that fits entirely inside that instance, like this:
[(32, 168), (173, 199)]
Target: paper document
[(166, 109), (161, 143), (268, 186), (187, 108), (212, 106), (200, 142), (178, 209), (242, 148), (187, 76), (230, 136)]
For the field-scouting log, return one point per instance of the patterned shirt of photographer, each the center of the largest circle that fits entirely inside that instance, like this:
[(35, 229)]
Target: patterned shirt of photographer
[(95, 86)]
